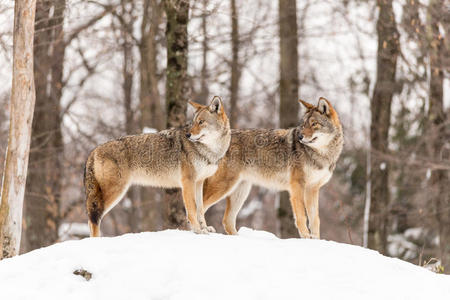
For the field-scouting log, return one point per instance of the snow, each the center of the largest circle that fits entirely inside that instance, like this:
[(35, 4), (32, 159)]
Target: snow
[(399, 246), (176, 264), (250, 208), (149, 130), (72, 231)]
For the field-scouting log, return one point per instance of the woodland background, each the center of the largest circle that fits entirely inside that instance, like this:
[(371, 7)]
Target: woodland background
[(104, 69)]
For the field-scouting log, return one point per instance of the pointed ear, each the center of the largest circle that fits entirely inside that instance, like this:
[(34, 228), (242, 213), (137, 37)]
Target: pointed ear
[(216, 105), (324, 106), (306, 104), (196, 106)]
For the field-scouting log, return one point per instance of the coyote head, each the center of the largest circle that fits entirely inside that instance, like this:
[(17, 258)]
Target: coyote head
[(320, 124), (209, 123)]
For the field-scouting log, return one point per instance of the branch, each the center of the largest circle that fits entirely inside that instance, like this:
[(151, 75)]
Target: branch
[(77, 31)]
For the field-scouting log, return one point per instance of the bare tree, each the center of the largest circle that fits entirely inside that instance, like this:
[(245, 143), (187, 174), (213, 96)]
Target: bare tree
[(150, 102), (127, 21), (437, 121), (235, 67), (43, 192), (177, 90), (152, 114), (204, 75), (388, 49), (21, 114), (289, 84)]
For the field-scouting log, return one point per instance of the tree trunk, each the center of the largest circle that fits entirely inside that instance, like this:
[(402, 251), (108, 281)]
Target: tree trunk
[(388, 49), (177, 91), (150, 102), (43, 191), (440, 192), (289, 85), (127, 72), (204, 90), (21, 116), (235, 68), (132, 211), (152, 115)]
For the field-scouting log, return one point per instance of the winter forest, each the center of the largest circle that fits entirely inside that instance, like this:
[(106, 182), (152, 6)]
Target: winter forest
[(104, 69)]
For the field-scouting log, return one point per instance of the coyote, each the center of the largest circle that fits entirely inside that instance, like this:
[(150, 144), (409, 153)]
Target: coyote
[(171, 158), (299, 160)]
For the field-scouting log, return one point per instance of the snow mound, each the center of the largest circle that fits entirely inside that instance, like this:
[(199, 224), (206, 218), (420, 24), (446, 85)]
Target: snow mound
[(176, 264)]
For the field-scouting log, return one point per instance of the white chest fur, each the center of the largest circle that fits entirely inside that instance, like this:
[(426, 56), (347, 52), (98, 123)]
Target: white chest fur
[(314, 176), (205, 170)]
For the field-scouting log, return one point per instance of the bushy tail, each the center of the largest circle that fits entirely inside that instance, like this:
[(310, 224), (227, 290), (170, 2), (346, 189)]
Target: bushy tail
[(94, 197)]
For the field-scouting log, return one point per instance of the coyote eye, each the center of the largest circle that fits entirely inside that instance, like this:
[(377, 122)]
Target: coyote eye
[(201, 122)]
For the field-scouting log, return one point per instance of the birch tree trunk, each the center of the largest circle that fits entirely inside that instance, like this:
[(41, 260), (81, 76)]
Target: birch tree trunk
[(388, 49), (21, 114), (177, 92), (289, 84)]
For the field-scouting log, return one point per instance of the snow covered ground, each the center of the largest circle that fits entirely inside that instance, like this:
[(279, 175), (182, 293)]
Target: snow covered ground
[(176, 264)]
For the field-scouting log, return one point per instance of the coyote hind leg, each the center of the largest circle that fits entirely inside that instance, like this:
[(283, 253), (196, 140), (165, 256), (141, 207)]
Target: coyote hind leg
[(101, 197), (234, 204), (94, 203), (94, 229), (218, 186)]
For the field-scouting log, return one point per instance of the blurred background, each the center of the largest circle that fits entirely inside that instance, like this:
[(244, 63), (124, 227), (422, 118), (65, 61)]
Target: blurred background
[(104, 69)]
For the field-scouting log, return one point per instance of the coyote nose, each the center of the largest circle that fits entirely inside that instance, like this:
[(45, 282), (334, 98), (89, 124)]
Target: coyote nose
[(188, 135), (300, 137)]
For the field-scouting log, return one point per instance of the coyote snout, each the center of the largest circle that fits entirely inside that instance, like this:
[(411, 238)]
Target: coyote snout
[(318, 129), (208, 123)]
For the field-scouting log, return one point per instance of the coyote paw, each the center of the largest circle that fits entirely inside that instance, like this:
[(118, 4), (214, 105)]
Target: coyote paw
[(305, 236), (200, 230), (210, 229), (203, 226)]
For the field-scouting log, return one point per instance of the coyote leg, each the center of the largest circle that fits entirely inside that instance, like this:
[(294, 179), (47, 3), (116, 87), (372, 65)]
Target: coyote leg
[(101, 204), (199, 206), (218, 186), (188, 191), (234, 204), (94, 228), (312, 209), (298, 206)]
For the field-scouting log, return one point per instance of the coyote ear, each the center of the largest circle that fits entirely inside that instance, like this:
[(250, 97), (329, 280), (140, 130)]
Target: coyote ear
[(196, 106), (216, 105), (306, 104), (324, 106)]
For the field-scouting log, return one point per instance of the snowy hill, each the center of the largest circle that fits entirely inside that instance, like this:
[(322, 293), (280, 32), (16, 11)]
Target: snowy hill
[(181, 265)]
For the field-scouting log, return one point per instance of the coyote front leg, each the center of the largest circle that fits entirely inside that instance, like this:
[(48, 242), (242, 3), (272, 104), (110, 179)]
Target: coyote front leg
[(312, 209), (298, 206), (199, 205), (188, 189)]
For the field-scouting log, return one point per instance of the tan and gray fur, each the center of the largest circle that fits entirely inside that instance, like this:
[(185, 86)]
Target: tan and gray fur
[(174, 158), (299, 160)]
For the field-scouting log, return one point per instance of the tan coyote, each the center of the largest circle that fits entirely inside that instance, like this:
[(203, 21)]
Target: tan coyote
[(299, 160), (171, 158)]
